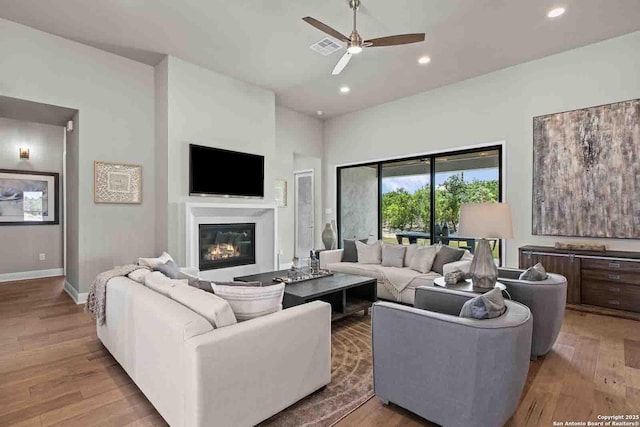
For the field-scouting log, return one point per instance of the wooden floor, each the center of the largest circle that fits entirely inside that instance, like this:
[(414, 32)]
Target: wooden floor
[(53, 368), (54, 371)]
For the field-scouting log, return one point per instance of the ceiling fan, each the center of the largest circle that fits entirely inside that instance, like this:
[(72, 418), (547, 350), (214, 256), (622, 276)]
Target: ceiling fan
[(355, 43)]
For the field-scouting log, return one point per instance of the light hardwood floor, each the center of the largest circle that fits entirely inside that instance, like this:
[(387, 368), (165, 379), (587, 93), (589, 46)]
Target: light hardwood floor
[(54, 371), (53, 368)]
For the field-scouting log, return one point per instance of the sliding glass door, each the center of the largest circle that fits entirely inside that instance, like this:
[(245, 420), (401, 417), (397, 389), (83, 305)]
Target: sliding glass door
[(358, 202), (471, 177), (406, 201), (417, 199)]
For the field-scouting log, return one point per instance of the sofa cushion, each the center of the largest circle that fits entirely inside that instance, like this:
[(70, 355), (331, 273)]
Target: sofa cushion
[(537, 273), (485, 306), (369, 254), (161, 283), (139, 275), (350, 253), (409, 253), (445, 255), (154, 262), (213, 308), (248, 302), (423, 259), (393, 255)]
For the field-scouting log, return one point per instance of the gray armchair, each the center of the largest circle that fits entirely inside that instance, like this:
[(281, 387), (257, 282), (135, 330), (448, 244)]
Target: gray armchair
[(546, 299), (450, 370)]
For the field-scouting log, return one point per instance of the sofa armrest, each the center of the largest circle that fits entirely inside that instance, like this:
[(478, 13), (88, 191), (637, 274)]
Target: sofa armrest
[(191, 271), (265, 364), (462, 265), (330, 257)]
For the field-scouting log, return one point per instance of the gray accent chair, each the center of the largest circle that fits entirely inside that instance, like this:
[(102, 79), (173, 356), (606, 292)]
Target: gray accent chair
[(457, 372), (546, 299)]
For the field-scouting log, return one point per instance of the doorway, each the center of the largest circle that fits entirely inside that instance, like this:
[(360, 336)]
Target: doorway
[(304, 217)]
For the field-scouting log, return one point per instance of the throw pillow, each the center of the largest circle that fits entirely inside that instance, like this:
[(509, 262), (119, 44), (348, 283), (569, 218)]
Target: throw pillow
[(169, 269), (251, 284), (213, 308), (154, 262), (161, 283), (393, 255), (249, 302), (485, 306), (423, 259), (446, 255), (536, 273), (349, 252), (409, 253), (369, 254), (139, 275)]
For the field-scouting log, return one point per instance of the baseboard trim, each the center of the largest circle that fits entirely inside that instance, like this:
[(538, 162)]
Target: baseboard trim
[(26, 275), (77, 297)]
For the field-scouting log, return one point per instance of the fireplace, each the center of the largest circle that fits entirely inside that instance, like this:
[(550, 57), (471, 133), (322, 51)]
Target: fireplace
[(226, 245)]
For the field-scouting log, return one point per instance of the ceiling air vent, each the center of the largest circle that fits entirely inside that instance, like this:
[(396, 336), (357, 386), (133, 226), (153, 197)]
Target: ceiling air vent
[(326, 46)]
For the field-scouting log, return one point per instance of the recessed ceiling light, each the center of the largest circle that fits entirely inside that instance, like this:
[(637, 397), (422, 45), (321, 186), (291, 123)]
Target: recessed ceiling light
[(319, 112), (345, 89), (558, 11), (424, 60)]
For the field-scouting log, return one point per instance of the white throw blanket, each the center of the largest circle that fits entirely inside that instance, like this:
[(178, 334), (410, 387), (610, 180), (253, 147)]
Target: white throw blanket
[(97, 298), (398, 279)]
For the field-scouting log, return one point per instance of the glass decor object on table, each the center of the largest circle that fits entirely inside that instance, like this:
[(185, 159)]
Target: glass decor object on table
[(486, 221)]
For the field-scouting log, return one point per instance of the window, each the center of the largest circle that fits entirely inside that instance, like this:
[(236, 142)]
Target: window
[(417, 200)]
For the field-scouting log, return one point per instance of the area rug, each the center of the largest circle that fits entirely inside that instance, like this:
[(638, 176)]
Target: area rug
[(351, 379)]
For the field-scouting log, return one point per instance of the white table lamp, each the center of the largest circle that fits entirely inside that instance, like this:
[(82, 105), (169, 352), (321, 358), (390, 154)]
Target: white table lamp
[(485, 221)]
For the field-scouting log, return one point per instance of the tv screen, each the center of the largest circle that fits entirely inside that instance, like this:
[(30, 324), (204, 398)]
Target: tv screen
[(213, 171)]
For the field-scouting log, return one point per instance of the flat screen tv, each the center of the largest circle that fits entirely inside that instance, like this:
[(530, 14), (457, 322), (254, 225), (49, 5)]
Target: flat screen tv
[(217, 172)]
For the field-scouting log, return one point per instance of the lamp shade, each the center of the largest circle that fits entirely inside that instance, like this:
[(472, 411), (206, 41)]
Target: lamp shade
[(485, 220)]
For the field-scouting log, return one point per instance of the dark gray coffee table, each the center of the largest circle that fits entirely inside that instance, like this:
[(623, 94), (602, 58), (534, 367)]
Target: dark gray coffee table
[(347, 293)]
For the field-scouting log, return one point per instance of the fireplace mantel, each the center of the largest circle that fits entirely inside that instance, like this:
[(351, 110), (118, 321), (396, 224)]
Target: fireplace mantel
[(263, 215)]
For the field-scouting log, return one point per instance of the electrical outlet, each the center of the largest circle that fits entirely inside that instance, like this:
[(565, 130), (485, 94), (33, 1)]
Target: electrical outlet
[(43, 257)]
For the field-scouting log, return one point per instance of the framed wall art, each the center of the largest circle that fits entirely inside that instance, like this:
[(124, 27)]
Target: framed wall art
[(586, 172), (117, 183), (29, 198)]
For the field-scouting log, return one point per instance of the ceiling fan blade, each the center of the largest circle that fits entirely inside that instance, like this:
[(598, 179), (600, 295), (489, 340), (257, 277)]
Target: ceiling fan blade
[(325, 28), (396, 40), (341, 63)]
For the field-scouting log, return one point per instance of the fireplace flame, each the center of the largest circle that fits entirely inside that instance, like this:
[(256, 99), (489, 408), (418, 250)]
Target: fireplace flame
[(223, 251)]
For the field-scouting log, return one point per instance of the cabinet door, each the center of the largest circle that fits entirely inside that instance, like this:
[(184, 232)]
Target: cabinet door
[(566, 265)]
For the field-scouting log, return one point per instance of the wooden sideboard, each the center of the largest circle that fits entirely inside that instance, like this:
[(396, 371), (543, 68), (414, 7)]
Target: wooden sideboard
[(608, 279)]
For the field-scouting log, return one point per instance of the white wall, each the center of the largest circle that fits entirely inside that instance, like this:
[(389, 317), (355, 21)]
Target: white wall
[(207, 108), (115, 97), (298, 147), (45, 143), (494, 107)]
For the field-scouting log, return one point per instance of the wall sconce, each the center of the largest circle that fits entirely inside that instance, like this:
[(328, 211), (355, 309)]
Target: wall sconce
[(24, 153)]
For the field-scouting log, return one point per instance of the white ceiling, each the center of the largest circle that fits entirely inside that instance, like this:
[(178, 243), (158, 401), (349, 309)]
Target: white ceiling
[(265, 42)]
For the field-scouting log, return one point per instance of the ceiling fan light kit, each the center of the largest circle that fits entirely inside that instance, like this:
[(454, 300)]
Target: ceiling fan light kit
[(355, 43)]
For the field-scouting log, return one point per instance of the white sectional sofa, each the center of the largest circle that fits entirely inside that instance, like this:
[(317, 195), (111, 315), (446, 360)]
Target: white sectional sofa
[(332, 260), (195, 375)]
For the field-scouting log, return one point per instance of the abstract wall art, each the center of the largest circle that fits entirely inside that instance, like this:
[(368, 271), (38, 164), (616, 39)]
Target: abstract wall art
[(586, 172)]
